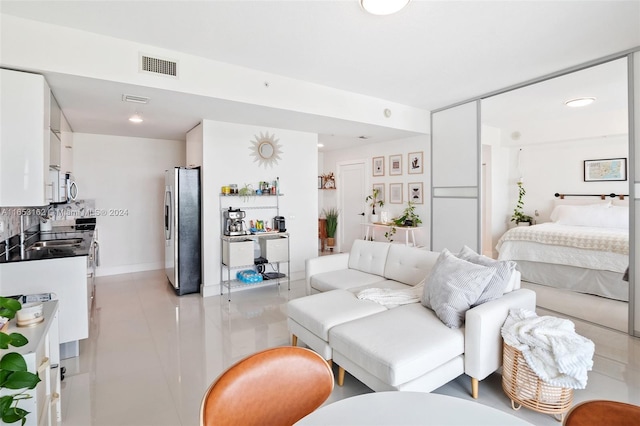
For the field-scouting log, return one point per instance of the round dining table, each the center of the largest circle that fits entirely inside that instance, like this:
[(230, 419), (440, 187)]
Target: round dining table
[(407, 408)]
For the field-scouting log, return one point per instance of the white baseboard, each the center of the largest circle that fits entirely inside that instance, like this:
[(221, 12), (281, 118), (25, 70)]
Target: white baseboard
[(104, 271)]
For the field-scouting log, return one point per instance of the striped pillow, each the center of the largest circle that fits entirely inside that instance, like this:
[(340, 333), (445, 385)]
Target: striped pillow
[(498, 283), (453, 286)]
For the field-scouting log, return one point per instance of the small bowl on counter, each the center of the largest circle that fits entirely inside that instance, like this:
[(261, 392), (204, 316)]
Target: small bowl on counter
[(30, 314)]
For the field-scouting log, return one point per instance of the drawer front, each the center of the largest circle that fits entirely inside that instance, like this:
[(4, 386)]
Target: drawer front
[(237, 253)]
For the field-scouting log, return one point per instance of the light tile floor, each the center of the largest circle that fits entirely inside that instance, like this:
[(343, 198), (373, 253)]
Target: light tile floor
[(151, 355)]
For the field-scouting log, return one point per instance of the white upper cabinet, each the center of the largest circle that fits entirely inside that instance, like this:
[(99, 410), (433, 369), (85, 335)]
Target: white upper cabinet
[(66, 153), (24, 138)]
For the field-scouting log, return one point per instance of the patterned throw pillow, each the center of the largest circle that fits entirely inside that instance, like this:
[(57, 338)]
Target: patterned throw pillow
[(453, 286), (496, 287)]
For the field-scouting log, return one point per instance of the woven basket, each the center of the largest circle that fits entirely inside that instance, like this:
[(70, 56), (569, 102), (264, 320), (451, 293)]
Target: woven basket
[(525, 388)]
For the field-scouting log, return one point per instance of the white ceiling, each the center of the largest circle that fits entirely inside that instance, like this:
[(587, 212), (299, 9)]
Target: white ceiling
[(430, 55)]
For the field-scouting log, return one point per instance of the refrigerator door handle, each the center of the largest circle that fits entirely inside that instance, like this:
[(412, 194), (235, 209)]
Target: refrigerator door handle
[(167, 215)]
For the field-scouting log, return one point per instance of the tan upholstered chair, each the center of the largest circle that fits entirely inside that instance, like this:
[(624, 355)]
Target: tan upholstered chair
[(276, 387), (600, 412)]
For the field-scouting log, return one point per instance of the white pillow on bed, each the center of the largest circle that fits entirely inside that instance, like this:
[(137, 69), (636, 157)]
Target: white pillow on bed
[(598, 215)]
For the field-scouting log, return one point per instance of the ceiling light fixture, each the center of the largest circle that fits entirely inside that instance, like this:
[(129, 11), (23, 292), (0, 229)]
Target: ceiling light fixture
[(383, 7), (320, 145), (136, 118), (579, 102)]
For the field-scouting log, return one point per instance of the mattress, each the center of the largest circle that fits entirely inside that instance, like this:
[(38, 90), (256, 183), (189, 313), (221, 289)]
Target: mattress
[(577, 258)]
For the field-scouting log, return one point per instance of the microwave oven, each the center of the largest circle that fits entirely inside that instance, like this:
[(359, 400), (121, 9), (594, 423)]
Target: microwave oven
[(68, 188)]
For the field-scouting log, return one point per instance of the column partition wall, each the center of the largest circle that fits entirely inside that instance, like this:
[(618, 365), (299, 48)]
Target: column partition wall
[(455, 179), (455, 164)]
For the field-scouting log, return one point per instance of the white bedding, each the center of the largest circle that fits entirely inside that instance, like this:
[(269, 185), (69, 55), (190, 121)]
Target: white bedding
[(586, 247)]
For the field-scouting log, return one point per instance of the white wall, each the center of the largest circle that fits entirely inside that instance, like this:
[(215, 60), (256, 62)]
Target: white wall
[(227, 159), (126, 173), (549, 168), (385, 149)]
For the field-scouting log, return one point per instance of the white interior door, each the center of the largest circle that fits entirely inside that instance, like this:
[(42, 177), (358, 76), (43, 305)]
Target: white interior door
[(351, 194)]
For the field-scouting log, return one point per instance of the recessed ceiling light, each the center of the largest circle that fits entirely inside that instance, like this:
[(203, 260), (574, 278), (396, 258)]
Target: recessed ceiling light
[(136, 118), (383, 7), (579, 102), (320, 145)]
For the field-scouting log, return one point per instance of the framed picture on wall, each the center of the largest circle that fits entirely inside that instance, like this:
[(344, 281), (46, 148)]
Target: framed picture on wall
[(378, 166), (414, 161), (605, 169), (380, 188), (415, 192), (395, 165), (395, 193)]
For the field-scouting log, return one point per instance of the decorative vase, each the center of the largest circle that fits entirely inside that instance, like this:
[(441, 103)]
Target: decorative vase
[(331, 242)]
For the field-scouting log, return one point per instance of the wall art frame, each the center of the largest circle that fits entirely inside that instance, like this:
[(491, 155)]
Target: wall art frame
[(415, 163), (395, 193), (377, 166), (395, 165), (606, 169), (415, 192), (381, 194)]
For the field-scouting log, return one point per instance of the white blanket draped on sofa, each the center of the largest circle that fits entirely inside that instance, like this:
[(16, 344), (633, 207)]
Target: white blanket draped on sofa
[(392, 297), (551, 347)]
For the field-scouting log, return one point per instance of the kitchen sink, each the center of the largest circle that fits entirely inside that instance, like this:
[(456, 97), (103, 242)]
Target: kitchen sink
[(63, 242)]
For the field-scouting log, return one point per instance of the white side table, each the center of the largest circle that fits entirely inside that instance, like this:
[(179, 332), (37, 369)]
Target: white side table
[(409, 231)]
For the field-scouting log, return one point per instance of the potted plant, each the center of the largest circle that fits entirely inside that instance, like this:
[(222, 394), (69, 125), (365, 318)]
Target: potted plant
[(13, 368), (331, 215), (409, 217), (374, 200), (518, 216)]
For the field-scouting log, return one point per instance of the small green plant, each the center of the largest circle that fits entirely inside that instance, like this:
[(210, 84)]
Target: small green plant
[(409, 216), (332, 221), (13, 369), (246, 192), (374, 200), (518, 214)]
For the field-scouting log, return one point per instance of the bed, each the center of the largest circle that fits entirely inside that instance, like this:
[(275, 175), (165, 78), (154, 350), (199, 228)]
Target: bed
[(584, 249)]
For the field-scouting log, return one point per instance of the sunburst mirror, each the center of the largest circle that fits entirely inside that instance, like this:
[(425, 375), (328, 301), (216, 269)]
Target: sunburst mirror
[(265, 149)]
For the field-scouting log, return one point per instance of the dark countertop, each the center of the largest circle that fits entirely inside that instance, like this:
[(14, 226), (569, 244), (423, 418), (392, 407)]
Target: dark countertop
[(59, 232)]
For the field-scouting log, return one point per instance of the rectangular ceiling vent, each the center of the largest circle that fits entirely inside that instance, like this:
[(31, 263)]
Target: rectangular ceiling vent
[(135, 99), (158, 65)]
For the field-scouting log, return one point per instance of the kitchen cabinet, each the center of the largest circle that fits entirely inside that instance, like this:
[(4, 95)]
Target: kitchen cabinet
[(65, 277), (66, 148), (24, 138), (42, 356)]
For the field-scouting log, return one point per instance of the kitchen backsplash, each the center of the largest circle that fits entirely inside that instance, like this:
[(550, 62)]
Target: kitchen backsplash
[(61, 214)]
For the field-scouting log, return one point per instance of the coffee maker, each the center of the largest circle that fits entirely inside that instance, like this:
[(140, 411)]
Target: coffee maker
[(234, 222)]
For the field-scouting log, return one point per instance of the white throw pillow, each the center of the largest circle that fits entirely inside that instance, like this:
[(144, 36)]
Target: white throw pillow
[(498, 283), (597, 215), (453, 286)]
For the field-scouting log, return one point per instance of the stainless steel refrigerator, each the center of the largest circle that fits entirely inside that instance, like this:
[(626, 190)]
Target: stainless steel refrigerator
[(182, 226)]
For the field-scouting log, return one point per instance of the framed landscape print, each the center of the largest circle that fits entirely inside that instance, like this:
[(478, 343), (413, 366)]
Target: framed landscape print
[(606, 169), (415, 192), (414, 161), (395, 165), (395, 193), (378, 166)]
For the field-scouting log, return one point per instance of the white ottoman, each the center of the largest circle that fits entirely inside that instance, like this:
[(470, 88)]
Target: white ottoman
[(310, 318)]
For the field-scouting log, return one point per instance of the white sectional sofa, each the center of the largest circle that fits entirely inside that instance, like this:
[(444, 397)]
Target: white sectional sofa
[(406, 347)]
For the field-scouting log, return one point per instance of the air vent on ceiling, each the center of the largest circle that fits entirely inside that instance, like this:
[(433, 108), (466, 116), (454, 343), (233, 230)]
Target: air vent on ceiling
[(135, 99), (158, 65)]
